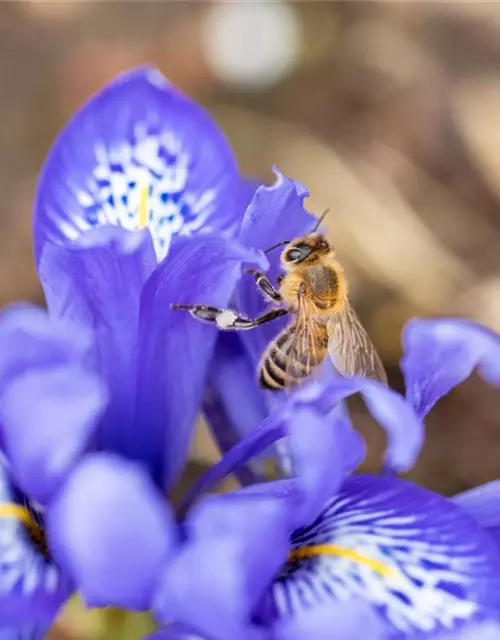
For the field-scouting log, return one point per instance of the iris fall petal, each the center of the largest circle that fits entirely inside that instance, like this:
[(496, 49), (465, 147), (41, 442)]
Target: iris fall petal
[(138, 153), (32, 588), (483, 504)]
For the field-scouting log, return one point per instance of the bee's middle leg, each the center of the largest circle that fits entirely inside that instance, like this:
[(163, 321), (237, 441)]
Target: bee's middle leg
[(265, 285), (226, 319)]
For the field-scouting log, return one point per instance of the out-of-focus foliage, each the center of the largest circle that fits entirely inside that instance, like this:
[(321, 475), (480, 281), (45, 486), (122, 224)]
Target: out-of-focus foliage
[(387, 111)]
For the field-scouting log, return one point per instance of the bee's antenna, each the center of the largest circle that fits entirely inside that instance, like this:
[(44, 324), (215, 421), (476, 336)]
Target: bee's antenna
[(320, 220), (278, 244)]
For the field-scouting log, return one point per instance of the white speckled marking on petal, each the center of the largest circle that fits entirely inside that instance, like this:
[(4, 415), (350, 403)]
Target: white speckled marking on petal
[(150, 173)]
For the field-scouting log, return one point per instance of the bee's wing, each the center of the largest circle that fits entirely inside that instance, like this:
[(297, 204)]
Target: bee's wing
[(350, 347), (302, 347)]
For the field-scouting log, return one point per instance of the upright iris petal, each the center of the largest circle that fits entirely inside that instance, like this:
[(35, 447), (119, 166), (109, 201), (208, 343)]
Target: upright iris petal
[(273, 212), (137, 154)]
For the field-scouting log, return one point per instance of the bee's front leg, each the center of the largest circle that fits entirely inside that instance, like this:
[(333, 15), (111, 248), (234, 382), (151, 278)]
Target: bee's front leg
[(265, 285), (226, 319)]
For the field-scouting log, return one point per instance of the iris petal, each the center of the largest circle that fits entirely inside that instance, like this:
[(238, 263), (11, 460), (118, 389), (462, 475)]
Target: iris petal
[(49, 402), (404, 430), (95, 285), (420, 563), (175, 350), (238, 540), (483, 504), (440, 354), (47, 419), (29, 340), (139, 152), (32, 588), (273, 211), (110, 528)]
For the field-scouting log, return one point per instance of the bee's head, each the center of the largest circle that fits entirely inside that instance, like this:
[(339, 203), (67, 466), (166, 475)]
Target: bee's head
[(305, 250)]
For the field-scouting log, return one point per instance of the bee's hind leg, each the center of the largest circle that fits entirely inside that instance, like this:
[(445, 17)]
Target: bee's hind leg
[(226, 319), (265, 285)]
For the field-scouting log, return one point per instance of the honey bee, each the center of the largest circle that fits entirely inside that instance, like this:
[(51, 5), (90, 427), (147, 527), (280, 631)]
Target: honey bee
[(314, 291)]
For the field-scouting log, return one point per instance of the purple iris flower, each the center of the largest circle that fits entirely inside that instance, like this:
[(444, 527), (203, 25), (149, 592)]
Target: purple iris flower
[(372, 557), (140, 205)]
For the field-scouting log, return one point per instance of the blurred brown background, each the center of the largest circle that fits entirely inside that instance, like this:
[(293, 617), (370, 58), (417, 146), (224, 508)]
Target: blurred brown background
[(388, 111)]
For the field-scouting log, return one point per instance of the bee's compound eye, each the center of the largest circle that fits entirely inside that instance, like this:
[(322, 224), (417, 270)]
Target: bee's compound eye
[(323, 244), (293, 254)]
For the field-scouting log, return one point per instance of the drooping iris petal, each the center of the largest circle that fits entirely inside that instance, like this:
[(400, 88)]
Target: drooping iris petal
[(175, 349), (483, 504), (421, 563), (139, 153), (275, 213), (32, 588), (47, 419), (440, 354), (110, 529), (237, 540), (404, 430), (95, 285), (24, 632)]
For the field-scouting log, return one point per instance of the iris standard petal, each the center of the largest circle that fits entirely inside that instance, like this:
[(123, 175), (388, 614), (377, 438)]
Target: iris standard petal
[(483, 504), (175, 350), (274, 211), (320, 458), (139, 153), (110, 529), (420, 562), (235, 543), (47, 419), (440, 354), (95, 285), (32, 587)]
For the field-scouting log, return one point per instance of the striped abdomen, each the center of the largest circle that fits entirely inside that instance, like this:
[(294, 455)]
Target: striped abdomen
[(287, 362)]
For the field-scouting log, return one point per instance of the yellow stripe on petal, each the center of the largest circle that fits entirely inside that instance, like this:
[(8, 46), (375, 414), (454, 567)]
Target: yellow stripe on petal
[(343, 552), (12, 510), (143, 207)]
